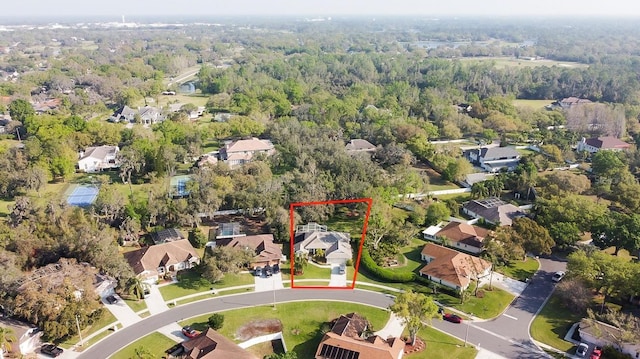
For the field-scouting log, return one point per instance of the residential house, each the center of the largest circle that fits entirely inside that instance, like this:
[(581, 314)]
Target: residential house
[(348, 339), (360, 145), (177, 107), (266, 252), (178, 186), (149, 115), (27, 338), (46, 106), (493, 210), (208, 159), (237, 153), (569, 102), (123, 114), (99, 158), (166, 235), (460, 235), (494, 159), (152, 262), (607, 143), (313, 237), (209, 345), (451, 268), (603, 334)]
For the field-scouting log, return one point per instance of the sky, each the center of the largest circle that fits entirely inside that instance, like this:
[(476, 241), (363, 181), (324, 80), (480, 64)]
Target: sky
[(117, 8)]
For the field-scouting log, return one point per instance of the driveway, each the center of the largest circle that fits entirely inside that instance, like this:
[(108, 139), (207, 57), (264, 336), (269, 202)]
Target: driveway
[(125, 315), (337, 279), (154, 300), (393, 328), (264, 284), (511, 285), (173, 331)]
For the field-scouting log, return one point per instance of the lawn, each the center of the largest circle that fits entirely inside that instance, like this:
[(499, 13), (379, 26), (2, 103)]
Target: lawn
[(310, 272), (534, 104), (410, 259), (105, 320), (490, 306), (301, 332), (520, 270), (191, 282), (440, 345), (155, 344), (136, 305), (553, 323)]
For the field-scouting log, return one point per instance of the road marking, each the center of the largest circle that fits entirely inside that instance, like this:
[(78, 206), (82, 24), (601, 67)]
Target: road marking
[(509, 316)]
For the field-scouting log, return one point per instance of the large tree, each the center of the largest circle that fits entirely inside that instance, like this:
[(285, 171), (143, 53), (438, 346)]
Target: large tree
[(415, 309)]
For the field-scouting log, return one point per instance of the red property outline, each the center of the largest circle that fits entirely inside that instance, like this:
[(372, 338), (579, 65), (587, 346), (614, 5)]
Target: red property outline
[(292, 206)]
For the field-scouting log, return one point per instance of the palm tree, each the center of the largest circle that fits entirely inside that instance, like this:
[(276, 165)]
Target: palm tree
[(6, 338), (300, 263), (134, 286), (142, 353)]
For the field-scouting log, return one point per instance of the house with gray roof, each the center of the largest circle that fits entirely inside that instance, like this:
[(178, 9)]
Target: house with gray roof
[(360, 145), (123, 114), (494, 159), (149, 115), (313, 237), (493, 210), (99, 158)]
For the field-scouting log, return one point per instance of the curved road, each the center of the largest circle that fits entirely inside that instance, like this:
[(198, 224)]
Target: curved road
[(504, 335)]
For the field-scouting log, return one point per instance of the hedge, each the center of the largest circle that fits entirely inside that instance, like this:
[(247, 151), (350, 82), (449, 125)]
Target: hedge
[(386, 275)]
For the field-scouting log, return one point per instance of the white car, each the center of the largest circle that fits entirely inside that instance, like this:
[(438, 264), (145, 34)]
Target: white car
[(582, 350), (557, 276)]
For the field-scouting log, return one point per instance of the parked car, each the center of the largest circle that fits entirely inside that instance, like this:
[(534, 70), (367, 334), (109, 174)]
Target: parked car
[(582, 350), (276, 269), (111, 299), (596, 353), (557, 276), (51, 350), (258, 272), (189, 332), (268, 272), (342, 268), (450, 317)]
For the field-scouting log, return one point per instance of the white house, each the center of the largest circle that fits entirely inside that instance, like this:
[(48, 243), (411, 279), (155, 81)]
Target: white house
[(313, 237), (603, 334), (100, 158), (607, 143)]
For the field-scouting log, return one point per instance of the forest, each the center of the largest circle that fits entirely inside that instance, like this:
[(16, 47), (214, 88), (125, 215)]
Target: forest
[(400, 83)]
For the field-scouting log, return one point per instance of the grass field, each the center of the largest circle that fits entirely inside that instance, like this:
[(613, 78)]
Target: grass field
[(520, 270), (504, 62), (154, 344), (106, 320), (534, 104), (301, 333), (490, 306), (136, 305), (553, 323), (191, 283), (442, 346)]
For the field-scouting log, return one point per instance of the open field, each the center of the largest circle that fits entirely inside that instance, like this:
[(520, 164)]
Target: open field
[(534, 104), (504, 62)]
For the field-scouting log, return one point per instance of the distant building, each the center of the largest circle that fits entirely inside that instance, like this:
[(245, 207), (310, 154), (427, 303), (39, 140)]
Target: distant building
[(123, 114), (237, 153), (463, 236), (266, 252), (493, 210), (494, 159), (360, 145), (97, 159), (568, 102), (607, 143)]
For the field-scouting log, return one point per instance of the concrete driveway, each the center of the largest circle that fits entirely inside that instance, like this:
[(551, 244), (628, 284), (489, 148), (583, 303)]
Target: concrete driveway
[(264, 284), (125, 315), (173, 331), (393, 328), (511, 285), (154, 300), (337, 279)]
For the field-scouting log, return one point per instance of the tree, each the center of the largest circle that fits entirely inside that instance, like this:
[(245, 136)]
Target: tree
[(6, 338), (142, 353), (300, 262), (21, 110), (574, 294), (457, 170), (415, 309), (618, 230), (533, 237), (216, 321), (437, 212)]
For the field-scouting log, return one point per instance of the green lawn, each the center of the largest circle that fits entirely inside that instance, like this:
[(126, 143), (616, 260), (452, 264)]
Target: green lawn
[(411, 257), (442, 346), (106, 319), (155, 344), (534, 104), (136, 305), (301, 332), (520, 270), (490, 306), (553, 323), (191, 282), (310, 272)]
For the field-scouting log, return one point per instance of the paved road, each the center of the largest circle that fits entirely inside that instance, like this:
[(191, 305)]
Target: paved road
[(504, 336)]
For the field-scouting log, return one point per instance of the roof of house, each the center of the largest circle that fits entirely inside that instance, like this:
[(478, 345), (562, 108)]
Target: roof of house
[(100, 152), (261, 244), (464, 233), (450, 265), (601, 330), (160, 255), (494, 210), (211, 345), (360, 145), (251, 145), (319, 240), (346, 341), (574, 101), (166, 235), (124, 111), (22, 331), (489, 153), (607, 143), (148, 111)]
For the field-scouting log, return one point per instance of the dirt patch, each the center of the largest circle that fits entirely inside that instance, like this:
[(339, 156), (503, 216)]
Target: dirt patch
[(256, 328)]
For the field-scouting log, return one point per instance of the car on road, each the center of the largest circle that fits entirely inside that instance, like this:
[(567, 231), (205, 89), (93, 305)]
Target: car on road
[(596, 353), (51, 350), (557, 276), (258, 272), (111, 299), (582, 350), (189, 332), (450, 317)]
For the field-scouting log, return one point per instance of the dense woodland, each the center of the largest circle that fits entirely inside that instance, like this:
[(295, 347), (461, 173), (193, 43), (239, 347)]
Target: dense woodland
[(309, 88)]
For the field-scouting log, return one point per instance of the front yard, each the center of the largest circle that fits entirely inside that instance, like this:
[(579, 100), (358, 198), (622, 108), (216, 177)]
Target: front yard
[(190, 282), (441, 345), (153, 345), (490, 306), (520, 270), (553, 323)]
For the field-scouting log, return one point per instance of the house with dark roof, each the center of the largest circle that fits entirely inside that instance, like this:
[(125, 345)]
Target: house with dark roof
[(451, 268), (460, 235), (152, 262), (313, 237), (348, 339), (123, 114), (99, 158), (607, 143), (494, 159), (266, 252), (166, 235), (360, 145), (209, 345), (237, 153), (493, 210)]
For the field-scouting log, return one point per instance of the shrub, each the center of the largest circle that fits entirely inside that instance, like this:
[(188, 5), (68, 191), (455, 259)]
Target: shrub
[(610, 352), (216, 321), (384, 274)]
